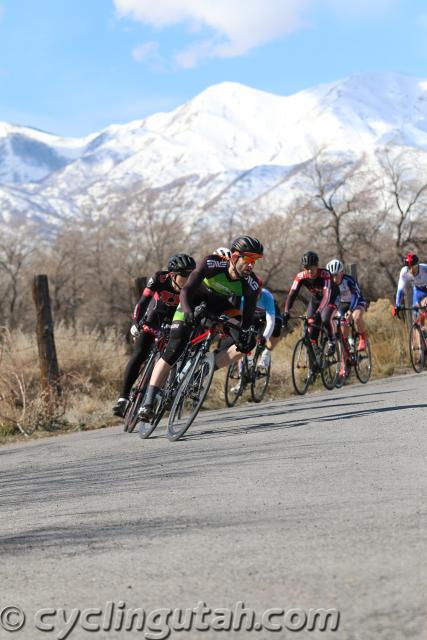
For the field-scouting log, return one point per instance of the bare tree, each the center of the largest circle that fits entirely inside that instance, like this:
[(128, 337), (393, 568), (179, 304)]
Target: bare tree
[(15, 251), (405, 183), (338, 192)]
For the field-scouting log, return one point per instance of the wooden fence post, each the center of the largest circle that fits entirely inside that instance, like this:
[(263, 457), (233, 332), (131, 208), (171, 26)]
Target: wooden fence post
[(45, 338)]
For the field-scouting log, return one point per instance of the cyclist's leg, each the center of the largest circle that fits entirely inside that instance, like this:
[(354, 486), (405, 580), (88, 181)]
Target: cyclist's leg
[(327, 317), (423, 312), (314, 316), (141, 349), (142, 346), (178, 338), (360, 326)]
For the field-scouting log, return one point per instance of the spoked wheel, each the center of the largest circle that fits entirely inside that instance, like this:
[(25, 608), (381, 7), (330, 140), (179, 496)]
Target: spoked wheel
[(234, 384), (260, 380), (191, 395), (137, 395), (331, 364), (363, 364), (417, 348), (301, 371), (145, 429)]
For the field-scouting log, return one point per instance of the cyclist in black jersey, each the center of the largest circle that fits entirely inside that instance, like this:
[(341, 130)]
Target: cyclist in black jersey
[(324, 293), (220, 283), (158, 304)]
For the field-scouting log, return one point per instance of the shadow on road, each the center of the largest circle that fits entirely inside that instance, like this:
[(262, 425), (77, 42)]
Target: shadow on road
[(288, 424)]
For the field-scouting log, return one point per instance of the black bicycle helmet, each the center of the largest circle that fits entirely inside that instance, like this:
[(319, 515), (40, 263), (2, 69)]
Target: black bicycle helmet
[(247, 244), (181, 263), (310, 259)]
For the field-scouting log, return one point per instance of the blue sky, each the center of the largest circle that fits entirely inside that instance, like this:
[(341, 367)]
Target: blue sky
[(75, 66)]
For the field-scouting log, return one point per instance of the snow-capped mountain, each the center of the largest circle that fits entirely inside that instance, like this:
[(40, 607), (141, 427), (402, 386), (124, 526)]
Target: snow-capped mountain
[(230, 146)]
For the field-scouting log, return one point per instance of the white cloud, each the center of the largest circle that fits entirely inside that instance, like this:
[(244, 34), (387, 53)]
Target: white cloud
[(236, 26), (145, 51)]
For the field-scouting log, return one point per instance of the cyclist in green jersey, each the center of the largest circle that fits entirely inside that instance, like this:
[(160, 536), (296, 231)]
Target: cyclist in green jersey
[(221, 284)]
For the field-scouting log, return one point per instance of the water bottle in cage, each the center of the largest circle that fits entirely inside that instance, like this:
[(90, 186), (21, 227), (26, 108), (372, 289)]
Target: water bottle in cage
[(185, 368)]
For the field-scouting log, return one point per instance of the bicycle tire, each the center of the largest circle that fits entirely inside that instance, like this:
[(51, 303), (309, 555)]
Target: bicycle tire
[(363, 364), (257, 374), (145, 429), (301, 354), (232, 396), (416, 335), (330, 365), (131, 415), (200, 373)]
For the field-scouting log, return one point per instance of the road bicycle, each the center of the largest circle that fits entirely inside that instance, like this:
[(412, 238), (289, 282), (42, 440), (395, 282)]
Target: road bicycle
[(417, 341), (247, 371), (309, 361), (138, 390), (198, 372), (351, 355)]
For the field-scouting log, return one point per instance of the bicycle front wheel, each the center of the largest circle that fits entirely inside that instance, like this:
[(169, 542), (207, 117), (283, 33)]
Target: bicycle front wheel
[(330, 365), (363, 364), (417, 348), (161, 404), (234, 384), (301, 371), (191, 395), (131, 416), (260, 379)]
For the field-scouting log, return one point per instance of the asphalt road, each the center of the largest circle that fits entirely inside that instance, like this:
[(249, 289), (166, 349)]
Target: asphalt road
[(317, 502)]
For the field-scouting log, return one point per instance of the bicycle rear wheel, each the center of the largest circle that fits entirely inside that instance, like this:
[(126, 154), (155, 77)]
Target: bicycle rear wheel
[(417, 348), (363, 364), (301, 370), (260, 379), (191, 395), (234, 384), (330, 364)]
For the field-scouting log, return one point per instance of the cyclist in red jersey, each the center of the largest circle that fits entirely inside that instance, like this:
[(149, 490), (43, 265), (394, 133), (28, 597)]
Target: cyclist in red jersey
[(324, 293), (158, 304)]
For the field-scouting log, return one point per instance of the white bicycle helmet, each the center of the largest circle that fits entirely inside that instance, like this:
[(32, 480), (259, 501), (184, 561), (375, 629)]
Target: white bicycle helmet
[(224, 252), (335, 267)]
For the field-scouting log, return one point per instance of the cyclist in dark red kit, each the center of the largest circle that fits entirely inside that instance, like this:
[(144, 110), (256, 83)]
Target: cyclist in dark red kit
[(324, 294)]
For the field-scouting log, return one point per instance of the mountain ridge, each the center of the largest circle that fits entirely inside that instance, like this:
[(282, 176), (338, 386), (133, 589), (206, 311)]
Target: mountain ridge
[(227, 146)]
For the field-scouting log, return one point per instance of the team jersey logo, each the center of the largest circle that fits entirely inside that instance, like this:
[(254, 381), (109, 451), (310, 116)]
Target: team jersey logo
[(212, 264), (252, 283)]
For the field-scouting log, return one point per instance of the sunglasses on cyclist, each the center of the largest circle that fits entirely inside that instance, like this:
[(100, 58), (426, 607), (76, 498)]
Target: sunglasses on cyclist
[(250, 258)]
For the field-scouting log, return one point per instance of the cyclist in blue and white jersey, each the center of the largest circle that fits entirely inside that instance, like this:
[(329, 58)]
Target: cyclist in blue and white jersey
[(414, 272), (267, 309), (351, 302)]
